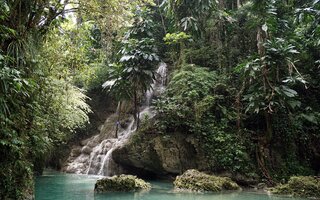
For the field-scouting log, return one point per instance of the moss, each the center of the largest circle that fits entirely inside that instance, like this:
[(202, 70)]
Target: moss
[(121, 183), (300, 186), (197, 181)]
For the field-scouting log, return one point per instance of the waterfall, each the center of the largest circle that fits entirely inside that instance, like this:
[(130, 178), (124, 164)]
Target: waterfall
[(95, 156)]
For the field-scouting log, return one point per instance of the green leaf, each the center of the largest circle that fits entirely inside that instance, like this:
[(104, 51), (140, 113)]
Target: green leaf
[(310, 117), (265, 27), (126, 58), (288, 92), (294, 103)]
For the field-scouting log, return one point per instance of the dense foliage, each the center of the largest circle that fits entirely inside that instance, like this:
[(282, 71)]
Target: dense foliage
[(199, 101), (244, 78), (50, 52), (40, 105), (131, 77), (256, 101)]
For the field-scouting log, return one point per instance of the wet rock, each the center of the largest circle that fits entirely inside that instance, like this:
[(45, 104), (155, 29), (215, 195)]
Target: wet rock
[(246, 180), (76, 151), (194, 180), (100, 128), (121, 183), (92, 144), (86, 150), (109, 144), (300, 186), (83, 143), (261, 186), (159, 154)]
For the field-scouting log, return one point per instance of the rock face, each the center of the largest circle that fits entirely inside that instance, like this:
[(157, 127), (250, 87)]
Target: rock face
[(151, 153), (300, 186), (120, 183), (159, 154), (89, 156), (94, 155), (194, 180)]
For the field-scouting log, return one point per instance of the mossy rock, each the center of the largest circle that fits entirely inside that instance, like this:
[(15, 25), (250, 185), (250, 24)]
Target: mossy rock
[(194, 180), (120, 183), (300, 186)]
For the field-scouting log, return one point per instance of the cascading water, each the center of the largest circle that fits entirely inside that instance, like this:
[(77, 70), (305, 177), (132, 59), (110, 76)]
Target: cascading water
[(95, 154)]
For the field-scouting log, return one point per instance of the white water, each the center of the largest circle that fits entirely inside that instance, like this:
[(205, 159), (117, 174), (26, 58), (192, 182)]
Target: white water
[(95, 154)]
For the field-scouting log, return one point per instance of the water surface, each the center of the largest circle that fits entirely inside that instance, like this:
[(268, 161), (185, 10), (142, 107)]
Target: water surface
[(59, 186)]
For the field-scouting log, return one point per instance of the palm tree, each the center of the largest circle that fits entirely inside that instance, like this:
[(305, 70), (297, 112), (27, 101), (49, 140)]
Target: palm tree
[(119, 86), (139, 62), (139, 56)]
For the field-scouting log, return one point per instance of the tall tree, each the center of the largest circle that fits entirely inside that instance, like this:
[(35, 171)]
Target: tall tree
[(139, 57), (40, 106)]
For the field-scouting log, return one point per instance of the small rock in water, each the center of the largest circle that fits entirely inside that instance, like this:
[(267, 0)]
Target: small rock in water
[(121, 183)]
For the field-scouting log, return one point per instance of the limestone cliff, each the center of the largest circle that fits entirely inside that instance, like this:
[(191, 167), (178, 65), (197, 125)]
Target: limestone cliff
[(160, 154)]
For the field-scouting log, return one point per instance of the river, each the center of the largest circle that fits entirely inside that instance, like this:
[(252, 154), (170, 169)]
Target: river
[(60, 186)]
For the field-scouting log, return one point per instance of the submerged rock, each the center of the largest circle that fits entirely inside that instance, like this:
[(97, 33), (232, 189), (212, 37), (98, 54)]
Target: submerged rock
[(300, 186), (194, 180), (124, 183)]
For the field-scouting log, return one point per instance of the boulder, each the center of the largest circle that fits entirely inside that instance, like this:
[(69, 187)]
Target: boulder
[(194, 180), (300, 186), (123, 183), (161, 154)]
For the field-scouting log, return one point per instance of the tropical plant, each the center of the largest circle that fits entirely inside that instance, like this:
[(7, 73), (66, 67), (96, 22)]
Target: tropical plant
[(40, 107), (140, 65), (189, 15), (138, 61), (177, 39)]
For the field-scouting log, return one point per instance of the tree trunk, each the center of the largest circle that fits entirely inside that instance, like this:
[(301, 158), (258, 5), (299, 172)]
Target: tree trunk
[(162, 18), (269, 128), (261, 155), (135, 105), (239, 106), (118, 119), (138, 120), (182, 59), (238, 4), (136, 111)]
